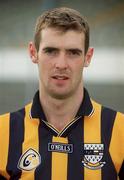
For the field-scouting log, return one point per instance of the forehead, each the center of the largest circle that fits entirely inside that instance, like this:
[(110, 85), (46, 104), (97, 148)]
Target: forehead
[(57, 38)]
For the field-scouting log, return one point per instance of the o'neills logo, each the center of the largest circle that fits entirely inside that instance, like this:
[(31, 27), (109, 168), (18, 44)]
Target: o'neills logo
[(60, 147), (29, 160)]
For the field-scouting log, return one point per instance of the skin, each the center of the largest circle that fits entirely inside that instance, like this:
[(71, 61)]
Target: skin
[(61, 60)]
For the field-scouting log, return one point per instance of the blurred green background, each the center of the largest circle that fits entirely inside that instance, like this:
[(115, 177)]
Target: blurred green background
[(18, 76)]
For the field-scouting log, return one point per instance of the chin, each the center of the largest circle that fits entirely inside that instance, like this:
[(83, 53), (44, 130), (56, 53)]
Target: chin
[(60, 95)]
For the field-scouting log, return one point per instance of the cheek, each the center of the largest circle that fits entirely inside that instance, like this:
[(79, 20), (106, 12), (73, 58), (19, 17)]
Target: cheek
[(78, 67), (79, 72), (44, 70)]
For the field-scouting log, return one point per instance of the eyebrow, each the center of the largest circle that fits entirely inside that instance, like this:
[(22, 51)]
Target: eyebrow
[(75, 49), (68, 49), (52, 48)]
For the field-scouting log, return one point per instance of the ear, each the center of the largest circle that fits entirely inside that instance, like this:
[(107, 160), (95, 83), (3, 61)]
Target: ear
[(33, 52), (88, 57)]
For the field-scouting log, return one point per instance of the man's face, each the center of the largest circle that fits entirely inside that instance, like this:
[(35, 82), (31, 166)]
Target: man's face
[(60, 61)]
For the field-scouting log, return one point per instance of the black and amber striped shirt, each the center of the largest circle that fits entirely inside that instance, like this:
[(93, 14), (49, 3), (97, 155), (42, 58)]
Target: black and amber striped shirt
[(90, 147)]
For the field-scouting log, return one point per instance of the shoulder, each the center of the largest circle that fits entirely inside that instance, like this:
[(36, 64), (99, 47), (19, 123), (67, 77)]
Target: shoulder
[(109, 115), (107, 110), (16, 114)]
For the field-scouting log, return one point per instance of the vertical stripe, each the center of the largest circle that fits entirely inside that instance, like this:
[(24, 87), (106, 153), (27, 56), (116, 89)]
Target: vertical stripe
[(43, 172), (31, 140), (2, 178), (107, 121), (117, 142), (92, 135), (15, 143), (4, 142), (76, 137), (121, 173), (59, 161)]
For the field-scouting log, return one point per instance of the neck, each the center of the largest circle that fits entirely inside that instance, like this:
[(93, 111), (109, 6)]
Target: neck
[(59, 112)]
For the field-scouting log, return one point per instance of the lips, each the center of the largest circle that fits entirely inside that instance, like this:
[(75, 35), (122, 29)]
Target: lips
[(60, 77)]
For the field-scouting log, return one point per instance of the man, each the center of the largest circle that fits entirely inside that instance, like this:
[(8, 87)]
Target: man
[(62, 134)]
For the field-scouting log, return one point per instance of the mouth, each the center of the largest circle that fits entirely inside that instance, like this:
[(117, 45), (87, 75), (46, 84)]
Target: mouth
[(58, 77)]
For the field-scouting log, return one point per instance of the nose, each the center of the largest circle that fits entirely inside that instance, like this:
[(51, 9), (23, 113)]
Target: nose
[(61, 61)]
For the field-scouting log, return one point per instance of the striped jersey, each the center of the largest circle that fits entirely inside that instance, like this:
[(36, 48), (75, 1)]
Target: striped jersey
[(90, 147)]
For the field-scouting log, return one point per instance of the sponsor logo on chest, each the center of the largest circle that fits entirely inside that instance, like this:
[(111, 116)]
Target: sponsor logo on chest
[(59, 147), (29, 160)]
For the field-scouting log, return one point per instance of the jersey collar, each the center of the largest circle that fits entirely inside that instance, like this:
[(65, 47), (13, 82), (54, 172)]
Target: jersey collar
[(86, 107)]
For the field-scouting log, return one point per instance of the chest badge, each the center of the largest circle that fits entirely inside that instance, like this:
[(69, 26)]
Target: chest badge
[(29, 160), (93, 154)]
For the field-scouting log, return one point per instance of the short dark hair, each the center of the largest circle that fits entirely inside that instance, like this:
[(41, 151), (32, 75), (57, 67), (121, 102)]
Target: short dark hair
[(63, 19)]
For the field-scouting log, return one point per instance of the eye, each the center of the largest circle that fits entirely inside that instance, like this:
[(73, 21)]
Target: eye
[(74, 52), (50, 51)]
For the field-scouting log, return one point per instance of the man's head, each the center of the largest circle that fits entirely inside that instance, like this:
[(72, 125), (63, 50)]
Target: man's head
[(61, 50), (62, 19)]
